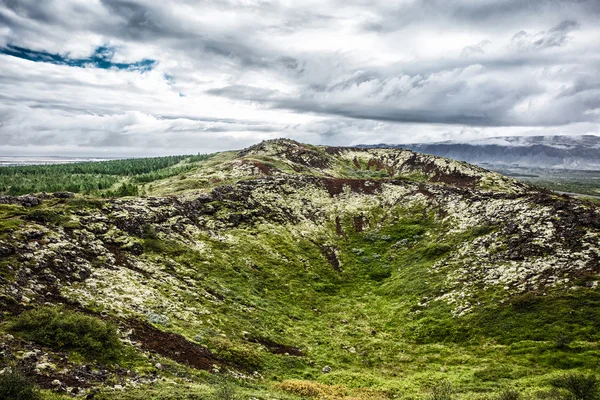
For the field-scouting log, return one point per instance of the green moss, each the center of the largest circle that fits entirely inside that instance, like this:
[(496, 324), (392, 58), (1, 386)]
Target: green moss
[(10, 217), (85, 204)]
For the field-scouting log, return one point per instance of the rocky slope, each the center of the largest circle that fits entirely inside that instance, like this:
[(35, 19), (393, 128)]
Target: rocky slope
[(296, 270)]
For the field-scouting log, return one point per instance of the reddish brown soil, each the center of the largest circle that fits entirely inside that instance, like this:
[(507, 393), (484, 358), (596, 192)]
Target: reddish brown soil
[(338, 226), (329, 253), (277, 348), (359, 222), (336, 185), (264, 169), (173, 346), (456, 179)]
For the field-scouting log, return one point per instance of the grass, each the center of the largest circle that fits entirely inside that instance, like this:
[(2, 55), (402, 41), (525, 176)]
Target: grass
[(63, 329), (365, 324)]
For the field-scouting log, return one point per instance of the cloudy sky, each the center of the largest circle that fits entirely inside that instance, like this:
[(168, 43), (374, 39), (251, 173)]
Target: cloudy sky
[(130, 78)]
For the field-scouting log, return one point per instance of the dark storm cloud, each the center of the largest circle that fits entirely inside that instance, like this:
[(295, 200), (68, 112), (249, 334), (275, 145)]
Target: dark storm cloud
[(141, 22), (504, 13), (32, 9)]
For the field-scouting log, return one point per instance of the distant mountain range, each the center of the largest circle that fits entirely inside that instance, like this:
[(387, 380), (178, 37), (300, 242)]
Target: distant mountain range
[(568, 152)]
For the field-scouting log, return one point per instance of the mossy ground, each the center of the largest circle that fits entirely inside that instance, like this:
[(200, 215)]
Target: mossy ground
[(364, 322), (355, 298)]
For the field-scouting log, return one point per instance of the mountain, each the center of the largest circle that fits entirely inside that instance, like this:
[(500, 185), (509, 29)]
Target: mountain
[(292, 271), (568, 152)]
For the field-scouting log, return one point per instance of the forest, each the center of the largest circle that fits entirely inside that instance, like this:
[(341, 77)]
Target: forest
[(112, 178)]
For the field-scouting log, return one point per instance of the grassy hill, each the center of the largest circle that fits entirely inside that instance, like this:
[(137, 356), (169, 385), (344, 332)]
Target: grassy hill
[(288, 271)]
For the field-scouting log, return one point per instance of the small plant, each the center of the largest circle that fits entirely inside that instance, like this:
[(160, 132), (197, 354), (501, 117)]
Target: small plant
[(509, 394), (238, 354), (552, 394), (63, 329), (442, 391), (15, 386), (580, 386), (226, 391), (562, 341), (524, 301)]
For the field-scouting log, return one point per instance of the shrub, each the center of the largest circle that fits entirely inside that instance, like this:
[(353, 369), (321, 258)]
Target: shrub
[(442, 391), (15, 386), (237, 354), (380, 274), (553, 394), (302, 388), (524, 301), (436, 250), (509, 394), (46, 216), (62, 329), (306, 389), (562, 341), (580, 386), (226, 391), (494, 372)]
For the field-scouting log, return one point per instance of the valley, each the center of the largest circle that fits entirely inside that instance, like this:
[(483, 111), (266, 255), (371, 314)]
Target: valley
[(289, 271)]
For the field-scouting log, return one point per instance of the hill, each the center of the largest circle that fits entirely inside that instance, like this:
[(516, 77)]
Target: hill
[(565, 152), (294, 271)]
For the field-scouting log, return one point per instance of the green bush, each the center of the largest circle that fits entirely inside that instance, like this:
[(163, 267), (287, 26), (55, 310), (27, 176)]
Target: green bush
[(15, 386), (552, 394), (562, 341), (442, 391), (494, 372), (238, 354), (524, 301), (509, 394), (226, 391), (436, 250), (580, 386), (62, 329)]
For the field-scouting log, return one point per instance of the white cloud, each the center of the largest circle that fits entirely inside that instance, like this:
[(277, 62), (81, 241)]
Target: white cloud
[(236, 72)]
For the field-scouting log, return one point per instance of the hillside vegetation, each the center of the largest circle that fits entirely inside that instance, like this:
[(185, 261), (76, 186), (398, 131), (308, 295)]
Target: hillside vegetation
[(289, 271), (102, 178)]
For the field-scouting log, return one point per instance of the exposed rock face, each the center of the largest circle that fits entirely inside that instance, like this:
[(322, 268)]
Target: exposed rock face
[(25, 201)]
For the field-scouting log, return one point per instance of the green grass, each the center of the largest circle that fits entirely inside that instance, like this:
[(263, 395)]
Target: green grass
[(62, 329), (365, 321)]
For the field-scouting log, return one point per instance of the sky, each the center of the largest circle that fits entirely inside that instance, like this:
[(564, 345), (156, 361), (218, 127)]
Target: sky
[(134, 78)]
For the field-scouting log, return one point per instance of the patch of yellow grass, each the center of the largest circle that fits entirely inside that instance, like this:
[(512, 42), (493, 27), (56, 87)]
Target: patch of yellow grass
[(317, 390)]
